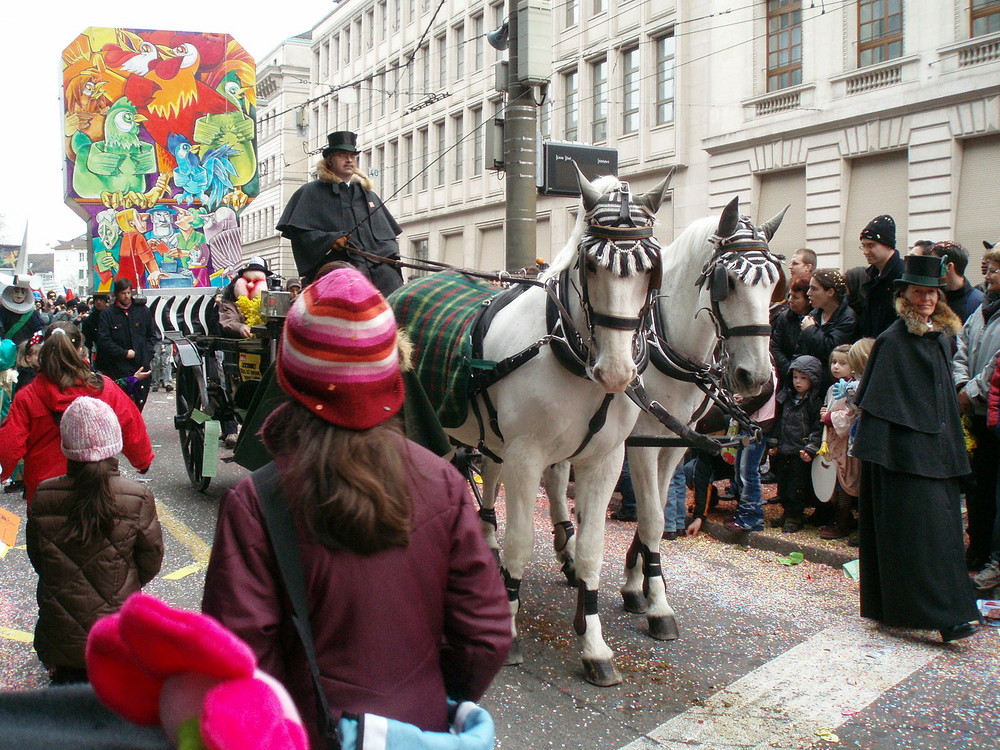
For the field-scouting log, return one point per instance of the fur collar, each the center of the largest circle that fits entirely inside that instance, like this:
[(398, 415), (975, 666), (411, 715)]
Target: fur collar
[(323, 174), (943, 319)]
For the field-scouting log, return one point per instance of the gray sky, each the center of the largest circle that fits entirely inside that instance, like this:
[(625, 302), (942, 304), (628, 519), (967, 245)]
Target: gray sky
[(31, 130)]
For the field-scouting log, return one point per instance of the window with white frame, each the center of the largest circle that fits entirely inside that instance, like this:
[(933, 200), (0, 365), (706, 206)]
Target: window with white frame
[(784, 44), (442, 57), (425, 68), (442, 149), (665, 48), (571, 93), (425, 154), (630, 90), (599, 110), (408, 157), (985, 17), (460, 51), (880, 31), (370, 28), (477, 141), (459, 147), (572, 12), (478, 33), (418, 251)]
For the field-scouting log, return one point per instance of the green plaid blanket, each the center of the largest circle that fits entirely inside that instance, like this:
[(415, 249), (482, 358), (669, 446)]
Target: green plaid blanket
[(436, 312)]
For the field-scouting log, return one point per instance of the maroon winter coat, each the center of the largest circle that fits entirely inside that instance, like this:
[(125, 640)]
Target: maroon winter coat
[(392, 629)]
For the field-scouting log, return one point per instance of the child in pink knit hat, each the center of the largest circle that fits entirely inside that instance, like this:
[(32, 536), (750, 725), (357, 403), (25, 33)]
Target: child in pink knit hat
[(92, 537)]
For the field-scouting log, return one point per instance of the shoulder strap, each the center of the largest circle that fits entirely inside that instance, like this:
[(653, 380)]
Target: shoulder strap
[(281, 530), (20, 323)]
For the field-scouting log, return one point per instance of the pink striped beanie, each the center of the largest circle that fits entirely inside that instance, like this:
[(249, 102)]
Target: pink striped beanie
[(338, 354)]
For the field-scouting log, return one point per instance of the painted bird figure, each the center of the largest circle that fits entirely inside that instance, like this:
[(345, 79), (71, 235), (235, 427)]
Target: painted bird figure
[(207, 178), (119, 163)]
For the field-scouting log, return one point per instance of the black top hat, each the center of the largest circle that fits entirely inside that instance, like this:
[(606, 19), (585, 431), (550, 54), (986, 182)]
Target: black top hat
[(342, 140), (256, 263), (922, 270)]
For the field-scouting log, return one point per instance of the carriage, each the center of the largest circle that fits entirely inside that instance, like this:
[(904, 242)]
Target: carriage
[(217, 376)]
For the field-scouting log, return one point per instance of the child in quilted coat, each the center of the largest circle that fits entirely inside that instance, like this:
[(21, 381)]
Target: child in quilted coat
[(92, 537)]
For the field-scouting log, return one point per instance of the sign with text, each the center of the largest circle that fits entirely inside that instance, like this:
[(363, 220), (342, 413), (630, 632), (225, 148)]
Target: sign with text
[(558, 173)]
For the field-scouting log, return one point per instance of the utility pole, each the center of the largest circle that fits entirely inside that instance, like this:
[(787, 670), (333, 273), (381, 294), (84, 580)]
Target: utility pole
[(520, 133)]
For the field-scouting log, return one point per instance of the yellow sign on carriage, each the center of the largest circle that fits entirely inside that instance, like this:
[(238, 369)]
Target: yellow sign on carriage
[(249, 366)]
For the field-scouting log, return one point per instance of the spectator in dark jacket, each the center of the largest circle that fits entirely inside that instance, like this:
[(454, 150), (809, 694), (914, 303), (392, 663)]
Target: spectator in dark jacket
[(878, 242), (962, 297), (831, 322), (796, 439), (89, 323), (126, 339), (787, 327)]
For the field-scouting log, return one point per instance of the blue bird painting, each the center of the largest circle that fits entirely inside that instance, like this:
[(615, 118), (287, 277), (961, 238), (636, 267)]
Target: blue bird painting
[(206, 178)]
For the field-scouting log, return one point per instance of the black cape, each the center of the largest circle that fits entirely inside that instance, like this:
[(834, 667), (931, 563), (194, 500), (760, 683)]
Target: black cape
[(910, 441), (321, 212)]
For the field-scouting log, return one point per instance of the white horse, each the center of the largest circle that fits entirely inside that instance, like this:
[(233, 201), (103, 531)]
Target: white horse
[(711, 326), (566, 400), (718, 281)]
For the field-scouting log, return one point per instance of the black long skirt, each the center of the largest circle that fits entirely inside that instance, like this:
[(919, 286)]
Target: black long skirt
[(912, 553)]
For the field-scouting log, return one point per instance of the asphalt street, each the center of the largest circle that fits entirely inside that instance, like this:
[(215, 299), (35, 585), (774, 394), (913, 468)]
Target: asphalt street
[(769, 656)]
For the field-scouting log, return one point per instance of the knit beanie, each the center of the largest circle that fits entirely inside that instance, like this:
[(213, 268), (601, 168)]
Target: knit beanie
[(90, 430), (337, 354), (881, 229)]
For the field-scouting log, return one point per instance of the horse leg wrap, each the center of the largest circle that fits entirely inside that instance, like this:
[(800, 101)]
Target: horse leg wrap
[(633, 552), (563, 532), (488, 515), (586, 604), (513, 586), (650, 567)]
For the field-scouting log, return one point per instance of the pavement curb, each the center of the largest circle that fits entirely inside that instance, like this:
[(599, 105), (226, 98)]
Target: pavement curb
[(784, 545)]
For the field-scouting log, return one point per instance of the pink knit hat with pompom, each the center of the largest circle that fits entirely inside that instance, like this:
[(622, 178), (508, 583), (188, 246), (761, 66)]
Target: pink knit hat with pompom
[(338, 354)]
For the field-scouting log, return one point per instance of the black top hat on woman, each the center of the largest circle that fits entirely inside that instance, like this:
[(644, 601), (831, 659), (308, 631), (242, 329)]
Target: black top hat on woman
[(342, 140), (922, 270)]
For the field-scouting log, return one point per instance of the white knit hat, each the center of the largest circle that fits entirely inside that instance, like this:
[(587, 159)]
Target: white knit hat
[(90, 431)]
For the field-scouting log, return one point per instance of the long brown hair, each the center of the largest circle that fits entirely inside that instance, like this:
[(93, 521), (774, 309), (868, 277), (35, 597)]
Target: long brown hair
[(349, 486), (94, 511), (61, 361)]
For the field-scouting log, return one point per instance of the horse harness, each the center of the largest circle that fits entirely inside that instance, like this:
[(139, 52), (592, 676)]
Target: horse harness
[(625, 250), (749, 257)]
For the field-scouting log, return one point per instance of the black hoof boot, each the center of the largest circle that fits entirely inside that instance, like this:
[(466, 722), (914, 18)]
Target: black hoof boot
[(634, 602), (514, 656)]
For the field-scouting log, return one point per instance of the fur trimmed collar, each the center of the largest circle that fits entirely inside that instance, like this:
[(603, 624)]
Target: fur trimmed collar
[(323, 174), (943, 319)]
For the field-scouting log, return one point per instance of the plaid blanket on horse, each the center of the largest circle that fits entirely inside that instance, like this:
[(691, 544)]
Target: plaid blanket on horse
[(436, 311)]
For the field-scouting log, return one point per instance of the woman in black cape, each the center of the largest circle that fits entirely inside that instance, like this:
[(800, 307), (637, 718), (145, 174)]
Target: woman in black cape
[(912, 449)]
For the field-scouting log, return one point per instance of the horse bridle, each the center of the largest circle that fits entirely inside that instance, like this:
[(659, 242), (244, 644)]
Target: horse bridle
[(715, 275), (614, 235)]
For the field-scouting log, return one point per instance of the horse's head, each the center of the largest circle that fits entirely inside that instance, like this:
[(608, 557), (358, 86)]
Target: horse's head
[(739, 279), (615, 264)]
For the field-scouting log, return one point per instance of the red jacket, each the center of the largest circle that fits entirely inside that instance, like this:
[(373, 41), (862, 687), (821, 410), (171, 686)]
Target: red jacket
[(30, 430), (391, 629)]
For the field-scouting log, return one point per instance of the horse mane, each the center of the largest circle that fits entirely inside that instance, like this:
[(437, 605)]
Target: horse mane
[(691, 244), (567, 256)]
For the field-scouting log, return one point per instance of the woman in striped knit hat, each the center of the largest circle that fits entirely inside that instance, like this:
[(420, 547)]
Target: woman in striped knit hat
[(407, 605)]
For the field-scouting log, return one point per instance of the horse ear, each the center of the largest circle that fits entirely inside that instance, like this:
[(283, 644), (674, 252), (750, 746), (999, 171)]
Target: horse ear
[(729, 222), (651, 200), (769, 227), (591, 195)]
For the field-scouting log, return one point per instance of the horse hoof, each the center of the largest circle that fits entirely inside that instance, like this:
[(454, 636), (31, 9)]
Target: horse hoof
[(663, 628), (634, 602), (514, 656), (601, 673)]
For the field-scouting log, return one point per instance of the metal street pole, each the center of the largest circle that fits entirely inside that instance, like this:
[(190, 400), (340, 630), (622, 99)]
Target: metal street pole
[(519, 146)]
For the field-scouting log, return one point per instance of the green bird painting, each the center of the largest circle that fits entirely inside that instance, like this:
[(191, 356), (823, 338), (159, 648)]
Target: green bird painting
[(234, 129), (118, 164)]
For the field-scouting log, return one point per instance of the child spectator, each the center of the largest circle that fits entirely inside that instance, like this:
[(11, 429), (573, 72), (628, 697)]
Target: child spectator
[(27, 360), (838, 416), (746, 476), (796, 439), (92, 537)]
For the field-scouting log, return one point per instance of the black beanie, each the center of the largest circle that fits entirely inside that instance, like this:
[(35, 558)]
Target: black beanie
[(881, 229)]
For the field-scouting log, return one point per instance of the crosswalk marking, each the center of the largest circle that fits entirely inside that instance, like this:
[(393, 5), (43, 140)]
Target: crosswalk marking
[(791, 700)]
